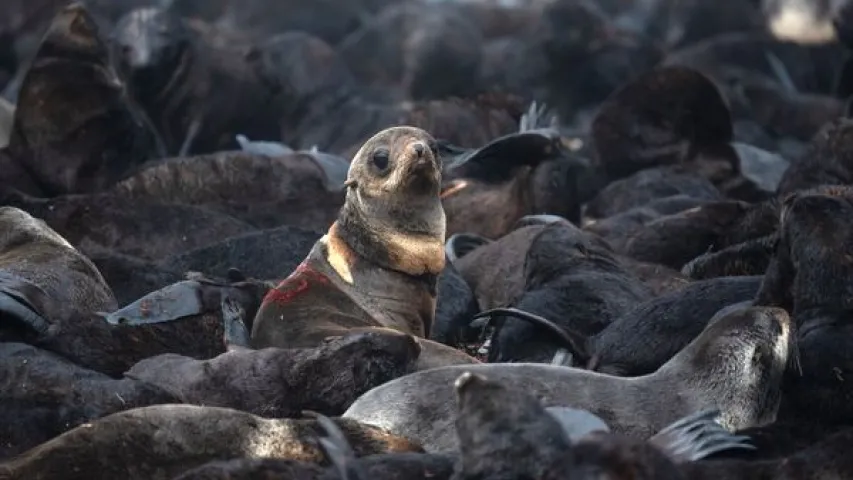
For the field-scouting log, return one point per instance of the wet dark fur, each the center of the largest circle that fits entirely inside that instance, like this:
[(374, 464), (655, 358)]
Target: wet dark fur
[(495, 271), (506, 433), (260, 254), (137, 227), (75, 130), (646, 337), (808, 276), (279, 383), (424, 51), (665, 105), (454, 308), (573, 279), (748, 258), (827, 162), (45, 395), (55, 279), (129, 444), (676, 239), (392, 466), (273, 191), (649, 185)]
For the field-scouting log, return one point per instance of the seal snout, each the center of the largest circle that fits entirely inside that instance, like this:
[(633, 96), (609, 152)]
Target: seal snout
[(419, 149)]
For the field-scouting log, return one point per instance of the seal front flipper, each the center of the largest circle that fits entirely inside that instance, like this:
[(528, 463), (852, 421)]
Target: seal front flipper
[(575, 342), (334, 168), (234, 331), (269, 149), (576, 422), (461, 244), (337, 448), (170, 303), (697, 436)]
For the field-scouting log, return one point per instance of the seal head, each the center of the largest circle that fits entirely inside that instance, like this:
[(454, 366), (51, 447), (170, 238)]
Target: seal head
[(392, 213)]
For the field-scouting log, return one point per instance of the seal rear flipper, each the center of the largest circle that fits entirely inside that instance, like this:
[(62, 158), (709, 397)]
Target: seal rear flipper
[(697, 436), (461, 244), (337, 448), (15, 308), (542, 219), (573, 341), (170, 303), (234, 331)]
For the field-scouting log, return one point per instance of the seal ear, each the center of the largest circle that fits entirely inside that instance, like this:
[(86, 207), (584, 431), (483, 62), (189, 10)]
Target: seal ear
[(697, 436), (573, 341), (337, 448)]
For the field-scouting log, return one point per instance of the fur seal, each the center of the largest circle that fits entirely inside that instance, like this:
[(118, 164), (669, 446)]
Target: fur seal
[(44, 280), (711, 372), (807, 276), (75, 129), (129, 444), (146, 328), (503, 430), (515, 175), (655, 120), (647, 185), (573, 278), (45, 395), (292, 190), (827, 162), (196, 81), (325, 379), (389, 237)]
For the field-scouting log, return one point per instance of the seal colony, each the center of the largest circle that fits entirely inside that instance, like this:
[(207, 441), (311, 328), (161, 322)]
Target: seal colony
[(456, 240)]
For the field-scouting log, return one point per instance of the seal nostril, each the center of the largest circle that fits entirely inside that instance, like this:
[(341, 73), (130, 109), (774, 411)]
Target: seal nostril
[(419, 149)]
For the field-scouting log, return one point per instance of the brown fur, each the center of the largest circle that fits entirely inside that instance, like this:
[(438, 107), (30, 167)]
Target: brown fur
[(377, 266), (487, 210), (159, 442)]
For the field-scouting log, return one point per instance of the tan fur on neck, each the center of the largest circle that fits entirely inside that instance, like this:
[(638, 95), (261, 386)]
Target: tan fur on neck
[(415, 255), (338, 254)]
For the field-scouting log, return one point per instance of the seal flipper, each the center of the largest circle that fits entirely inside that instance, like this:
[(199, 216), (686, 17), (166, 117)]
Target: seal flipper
[(268, 149), (575, 342), (15, 308), (170, 303), (334, 168), (461, 244), (234, 331), (697, 436), (337, 448), (577, 423)]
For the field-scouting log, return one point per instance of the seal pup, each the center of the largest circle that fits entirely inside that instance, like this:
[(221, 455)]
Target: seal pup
[(75, 130), (389, 238), (44, 280), (327, 378), (45, 395), (573, 278), (711, 372), (129, 444), (808, 276)]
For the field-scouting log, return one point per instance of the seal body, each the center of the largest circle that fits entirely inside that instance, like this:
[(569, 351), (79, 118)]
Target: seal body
[(377, 267), (736, 366)]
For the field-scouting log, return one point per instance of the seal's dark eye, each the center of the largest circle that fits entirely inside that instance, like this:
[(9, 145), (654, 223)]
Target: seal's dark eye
[(380, 158)]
